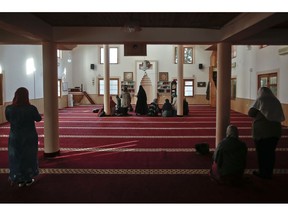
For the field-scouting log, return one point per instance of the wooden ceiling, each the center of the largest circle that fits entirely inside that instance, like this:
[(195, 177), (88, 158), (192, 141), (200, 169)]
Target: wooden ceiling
[(69, 29), (154, 20)]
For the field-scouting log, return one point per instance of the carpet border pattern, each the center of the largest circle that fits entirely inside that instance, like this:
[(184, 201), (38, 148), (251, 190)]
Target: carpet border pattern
[(135, 171)]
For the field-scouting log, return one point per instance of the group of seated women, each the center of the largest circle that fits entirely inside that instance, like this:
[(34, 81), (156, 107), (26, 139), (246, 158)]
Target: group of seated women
[(153, 109), (168, 109)]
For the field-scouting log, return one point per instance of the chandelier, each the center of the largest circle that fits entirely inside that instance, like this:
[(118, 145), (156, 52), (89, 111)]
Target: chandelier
[(131, 26)]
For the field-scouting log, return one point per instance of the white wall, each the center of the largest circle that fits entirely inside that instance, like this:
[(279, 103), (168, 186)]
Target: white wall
[(84, 55), (283, 78), (65, 69), (252, 61), (13, 62)]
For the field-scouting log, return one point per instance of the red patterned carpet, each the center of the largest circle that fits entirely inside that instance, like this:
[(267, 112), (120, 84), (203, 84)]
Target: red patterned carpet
[(137, 159)]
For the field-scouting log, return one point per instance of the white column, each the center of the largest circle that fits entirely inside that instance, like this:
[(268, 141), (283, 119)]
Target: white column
[(51, 127), (106, 80), (223, 90), (180, 87)]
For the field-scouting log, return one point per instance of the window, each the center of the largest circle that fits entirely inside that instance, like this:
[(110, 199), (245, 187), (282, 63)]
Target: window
[(233, 88), (114, 89), (233, 51), (188, 88), (1, 88), (59, 54), (188, 57), (268, 80), (113, 55), (59, 87)]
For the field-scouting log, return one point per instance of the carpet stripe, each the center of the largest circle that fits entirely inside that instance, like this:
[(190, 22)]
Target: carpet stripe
[(140, 149), (138, 128), (135, 171), (110, 118), (151, 122), (135, 137), (132, 137)]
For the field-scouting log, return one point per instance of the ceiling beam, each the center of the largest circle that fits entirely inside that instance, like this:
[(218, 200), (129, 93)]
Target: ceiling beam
[(66, 46), (248, 24), (11, 38), (269, 37), (26, 25), (114, 35)]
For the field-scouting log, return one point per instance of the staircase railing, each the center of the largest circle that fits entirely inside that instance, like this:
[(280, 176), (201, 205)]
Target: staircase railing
[(88, 97)]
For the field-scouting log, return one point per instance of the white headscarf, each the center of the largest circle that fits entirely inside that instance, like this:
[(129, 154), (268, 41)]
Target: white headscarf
[(269, 105), (174, 103)]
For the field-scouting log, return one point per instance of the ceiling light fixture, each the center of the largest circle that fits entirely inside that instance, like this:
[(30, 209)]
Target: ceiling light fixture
[(131, 26)]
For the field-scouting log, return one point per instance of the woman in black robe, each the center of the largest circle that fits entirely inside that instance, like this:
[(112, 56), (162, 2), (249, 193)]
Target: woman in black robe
[(141, 104)]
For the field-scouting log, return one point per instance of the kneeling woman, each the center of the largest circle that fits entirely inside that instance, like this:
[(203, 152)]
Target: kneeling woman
[(229, 158)]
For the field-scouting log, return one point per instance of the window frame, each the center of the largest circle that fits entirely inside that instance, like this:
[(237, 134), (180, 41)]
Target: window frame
[(233, 91), (193, 87), (99, 86), (233, 51), (59, 54), (268, 76), (1, 89), (183, 50), (59, 88), (101, 60)]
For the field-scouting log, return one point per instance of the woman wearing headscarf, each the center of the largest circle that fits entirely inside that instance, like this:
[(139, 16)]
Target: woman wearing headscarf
[(112, 106), (23, 139), (267, 114), (185, 107), (229, 158), (125, 101), (167, 109), (141, 104), (174, 105), (154, 109), (118, 105)]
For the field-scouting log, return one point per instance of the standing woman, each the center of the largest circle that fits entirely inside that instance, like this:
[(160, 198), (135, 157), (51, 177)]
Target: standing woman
[(141, 104), (125, 101), (174, 105), (185, 107), (112, 106), (267, 114), (23, 139)]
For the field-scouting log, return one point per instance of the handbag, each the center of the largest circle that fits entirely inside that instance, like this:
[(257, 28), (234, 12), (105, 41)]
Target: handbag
[(202, 148)]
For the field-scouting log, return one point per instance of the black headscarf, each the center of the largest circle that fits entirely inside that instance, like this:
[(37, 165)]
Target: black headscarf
[(141, 104), (21, 97)]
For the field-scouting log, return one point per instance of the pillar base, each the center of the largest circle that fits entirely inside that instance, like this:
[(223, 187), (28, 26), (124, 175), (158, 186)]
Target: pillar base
[(52, 154)]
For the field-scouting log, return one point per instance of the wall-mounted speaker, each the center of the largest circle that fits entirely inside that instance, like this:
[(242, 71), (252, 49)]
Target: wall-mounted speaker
[(92, 66), (200, 66)]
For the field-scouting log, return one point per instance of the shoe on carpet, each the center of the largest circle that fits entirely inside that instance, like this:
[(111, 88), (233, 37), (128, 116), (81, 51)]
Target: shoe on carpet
[(21, 184), (30, 182), (258, 174), (10, 182)]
